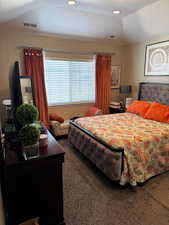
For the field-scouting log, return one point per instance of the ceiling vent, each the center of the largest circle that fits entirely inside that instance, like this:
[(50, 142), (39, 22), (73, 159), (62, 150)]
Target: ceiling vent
[(112, 36), (30, 25)]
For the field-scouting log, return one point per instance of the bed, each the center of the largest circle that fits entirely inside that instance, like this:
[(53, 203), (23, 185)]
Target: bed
[(126, 147)]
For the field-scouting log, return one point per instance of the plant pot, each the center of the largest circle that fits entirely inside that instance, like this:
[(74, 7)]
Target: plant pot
[(31, 151)]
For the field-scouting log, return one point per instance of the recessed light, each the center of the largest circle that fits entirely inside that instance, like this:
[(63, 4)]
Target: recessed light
[(116, 12), (71, 2)]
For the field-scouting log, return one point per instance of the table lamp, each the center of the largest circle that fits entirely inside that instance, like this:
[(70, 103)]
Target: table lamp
[(126, 90)]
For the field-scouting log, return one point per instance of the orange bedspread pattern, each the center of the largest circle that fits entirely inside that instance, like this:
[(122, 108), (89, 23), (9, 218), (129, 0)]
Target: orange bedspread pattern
[(145, 143)]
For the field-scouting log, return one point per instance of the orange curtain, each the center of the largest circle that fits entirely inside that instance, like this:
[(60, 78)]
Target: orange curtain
[(33, 59), (103, 82)]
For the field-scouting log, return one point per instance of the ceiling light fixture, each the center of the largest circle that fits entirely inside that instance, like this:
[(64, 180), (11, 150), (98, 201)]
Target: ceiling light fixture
[(116, 12), (71, 2)]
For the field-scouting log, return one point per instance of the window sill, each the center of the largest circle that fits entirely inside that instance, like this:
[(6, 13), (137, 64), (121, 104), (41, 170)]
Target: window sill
[(67, 104)]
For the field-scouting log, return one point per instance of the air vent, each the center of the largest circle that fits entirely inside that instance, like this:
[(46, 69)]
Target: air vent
[(112, 36), (30, 25)]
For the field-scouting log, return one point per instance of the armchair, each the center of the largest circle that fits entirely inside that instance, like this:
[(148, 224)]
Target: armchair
[(59, 127)]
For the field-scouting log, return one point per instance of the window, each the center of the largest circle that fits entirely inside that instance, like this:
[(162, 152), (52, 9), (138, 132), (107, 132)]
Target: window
[(69, 81)]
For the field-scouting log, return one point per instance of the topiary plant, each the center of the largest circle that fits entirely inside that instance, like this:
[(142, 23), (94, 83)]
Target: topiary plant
[(29, 135), (26, 114)]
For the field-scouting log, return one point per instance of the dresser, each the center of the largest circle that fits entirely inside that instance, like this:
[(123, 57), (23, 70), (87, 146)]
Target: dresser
[(33, 188)]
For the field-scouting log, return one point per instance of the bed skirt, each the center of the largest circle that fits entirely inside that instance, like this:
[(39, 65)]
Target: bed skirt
[(108, 161)]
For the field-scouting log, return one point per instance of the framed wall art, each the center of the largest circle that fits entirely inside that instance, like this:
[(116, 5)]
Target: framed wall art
[(157, 59), (115, 76)]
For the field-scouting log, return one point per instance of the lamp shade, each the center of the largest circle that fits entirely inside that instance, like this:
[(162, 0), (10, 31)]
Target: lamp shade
[(125, 89)]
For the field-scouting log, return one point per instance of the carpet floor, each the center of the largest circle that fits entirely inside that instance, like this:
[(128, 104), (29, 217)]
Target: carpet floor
[(92, 199)]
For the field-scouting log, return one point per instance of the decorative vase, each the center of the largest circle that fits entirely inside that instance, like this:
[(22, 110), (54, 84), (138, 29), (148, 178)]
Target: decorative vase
[(31, 151)]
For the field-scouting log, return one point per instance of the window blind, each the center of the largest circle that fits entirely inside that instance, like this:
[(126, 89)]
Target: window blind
[(70, 81)]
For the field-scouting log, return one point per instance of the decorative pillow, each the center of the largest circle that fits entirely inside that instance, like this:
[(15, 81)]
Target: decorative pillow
[(93, 111), (139, 107), (54, 116), (158, 112)]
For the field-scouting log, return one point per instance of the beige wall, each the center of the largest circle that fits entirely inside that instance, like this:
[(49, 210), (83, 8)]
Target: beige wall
[(10, 40), (134, 64)]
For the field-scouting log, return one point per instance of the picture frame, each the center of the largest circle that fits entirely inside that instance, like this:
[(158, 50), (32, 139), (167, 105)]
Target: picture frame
[(157, 59), (115, 76)]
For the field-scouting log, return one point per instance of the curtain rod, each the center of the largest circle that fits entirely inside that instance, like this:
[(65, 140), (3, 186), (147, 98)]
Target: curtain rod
[(67, 52)]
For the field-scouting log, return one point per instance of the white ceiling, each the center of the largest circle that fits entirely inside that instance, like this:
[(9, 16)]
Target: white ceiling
[(87, 19), (149, 23)]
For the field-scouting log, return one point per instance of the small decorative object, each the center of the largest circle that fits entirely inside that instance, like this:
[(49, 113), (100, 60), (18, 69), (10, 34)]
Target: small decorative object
[(128, 101), (116, 71), (115, 105), (43, 129), (29, 136), (157, 59), (43, 141), (8, 110), (26, 114)]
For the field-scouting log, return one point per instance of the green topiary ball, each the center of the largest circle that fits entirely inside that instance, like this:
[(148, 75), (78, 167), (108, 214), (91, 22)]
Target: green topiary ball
[(29, 135), (26, 114)]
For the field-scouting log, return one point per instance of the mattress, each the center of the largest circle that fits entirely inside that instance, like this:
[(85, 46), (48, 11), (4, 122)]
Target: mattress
[(145, 143)]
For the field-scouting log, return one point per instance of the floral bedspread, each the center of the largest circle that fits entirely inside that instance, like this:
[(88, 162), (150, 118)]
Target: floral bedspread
[(145, 143)]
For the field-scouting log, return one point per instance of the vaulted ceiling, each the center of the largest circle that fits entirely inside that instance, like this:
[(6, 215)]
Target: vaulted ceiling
[(91, 19)]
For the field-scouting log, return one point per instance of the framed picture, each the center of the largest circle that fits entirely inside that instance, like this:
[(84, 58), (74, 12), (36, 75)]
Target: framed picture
[(115, 76), (157, 59)]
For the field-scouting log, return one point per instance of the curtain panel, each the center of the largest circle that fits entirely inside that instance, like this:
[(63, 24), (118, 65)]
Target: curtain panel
[(34, 67), (103, 82)]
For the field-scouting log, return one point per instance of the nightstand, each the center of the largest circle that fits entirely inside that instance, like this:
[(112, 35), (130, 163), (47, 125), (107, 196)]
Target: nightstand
[(116, 110)]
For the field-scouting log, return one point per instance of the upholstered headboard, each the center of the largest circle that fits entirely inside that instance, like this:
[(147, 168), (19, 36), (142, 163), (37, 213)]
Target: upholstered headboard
[(158, 92)]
